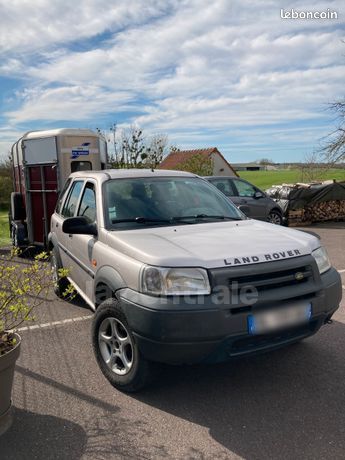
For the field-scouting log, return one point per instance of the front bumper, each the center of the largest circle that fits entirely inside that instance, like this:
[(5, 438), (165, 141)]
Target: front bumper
[(185, 334)]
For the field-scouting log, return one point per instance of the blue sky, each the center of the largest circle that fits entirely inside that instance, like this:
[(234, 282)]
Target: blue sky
[(227, 73)]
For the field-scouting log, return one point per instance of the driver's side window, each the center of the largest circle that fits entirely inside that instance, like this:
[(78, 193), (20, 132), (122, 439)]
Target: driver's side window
[(87, 207)]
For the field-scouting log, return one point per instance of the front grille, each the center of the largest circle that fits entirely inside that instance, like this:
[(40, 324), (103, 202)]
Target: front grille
[(271, 283), (266, 281)]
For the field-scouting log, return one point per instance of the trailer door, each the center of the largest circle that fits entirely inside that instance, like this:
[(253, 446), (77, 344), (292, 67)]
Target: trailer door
[(40, 166)]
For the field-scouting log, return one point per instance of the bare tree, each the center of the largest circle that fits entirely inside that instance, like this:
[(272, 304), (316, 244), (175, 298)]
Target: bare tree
[(133, 149), (129, 148), (265, 161), (334, 148), (156, 150)]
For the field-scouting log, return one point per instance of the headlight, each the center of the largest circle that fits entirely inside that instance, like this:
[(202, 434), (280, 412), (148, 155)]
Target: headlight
[(174, 281), (322, 260)]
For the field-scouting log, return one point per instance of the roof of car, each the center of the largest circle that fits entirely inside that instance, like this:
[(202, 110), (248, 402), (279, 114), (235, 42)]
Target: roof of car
[(219, 177), (130, 173)]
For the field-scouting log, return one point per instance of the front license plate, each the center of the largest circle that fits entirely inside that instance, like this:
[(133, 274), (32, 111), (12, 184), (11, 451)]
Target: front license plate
[(280, 318)]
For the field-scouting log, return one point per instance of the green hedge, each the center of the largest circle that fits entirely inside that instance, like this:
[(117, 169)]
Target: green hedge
[(6, 187)]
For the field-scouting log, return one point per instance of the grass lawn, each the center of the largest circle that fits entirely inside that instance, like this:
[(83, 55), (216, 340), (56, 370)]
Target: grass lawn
[(4, 236), (264, 179)]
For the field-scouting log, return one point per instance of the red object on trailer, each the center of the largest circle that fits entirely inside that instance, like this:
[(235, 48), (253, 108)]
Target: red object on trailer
[(42, 162)]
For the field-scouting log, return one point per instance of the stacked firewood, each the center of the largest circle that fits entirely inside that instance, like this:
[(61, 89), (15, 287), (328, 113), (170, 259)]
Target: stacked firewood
[(318, 212), (327, 210)]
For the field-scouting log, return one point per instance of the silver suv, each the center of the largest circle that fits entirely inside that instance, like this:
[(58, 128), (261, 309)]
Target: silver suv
[(177, 274)]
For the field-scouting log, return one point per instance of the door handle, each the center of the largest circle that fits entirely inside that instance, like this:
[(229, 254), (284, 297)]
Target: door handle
[(56, 225), (70, 236)]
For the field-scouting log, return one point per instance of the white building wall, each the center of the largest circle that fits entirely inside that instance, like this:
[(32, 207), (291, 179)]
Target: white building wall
[(220, 166)]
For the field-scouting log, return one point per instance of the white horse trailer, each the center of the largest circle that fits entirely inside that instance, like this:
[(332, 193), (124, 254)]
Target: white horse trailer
[(42, 162)]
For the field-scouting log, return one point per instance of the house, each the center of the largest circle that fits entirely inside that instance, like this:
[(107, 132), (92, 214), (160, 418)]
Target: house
[(220, 166)]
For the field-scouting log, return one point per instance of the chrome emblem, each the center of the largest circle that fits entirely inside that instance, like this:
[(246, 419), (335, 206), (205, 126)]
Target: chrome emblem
[(299, 276)]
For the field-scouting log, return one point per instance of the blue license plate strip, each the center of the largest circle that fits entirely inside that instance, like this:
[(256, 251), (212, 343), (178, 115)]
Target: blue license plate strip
[(304, 315)]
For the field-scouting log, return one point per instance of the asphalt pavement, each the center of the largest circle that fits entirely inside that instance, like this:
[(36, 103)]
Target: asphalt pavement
[(287, 404)]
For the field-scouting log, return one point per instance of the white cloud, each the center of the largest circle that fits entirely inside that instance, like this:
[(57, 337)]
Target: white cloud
[(72, 103), (27, 25), (197, 64)]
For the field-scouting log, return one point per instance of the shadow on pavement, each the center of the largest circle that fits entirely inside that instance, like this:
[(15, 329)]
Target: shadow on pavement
[(286, 404), (42, 437)]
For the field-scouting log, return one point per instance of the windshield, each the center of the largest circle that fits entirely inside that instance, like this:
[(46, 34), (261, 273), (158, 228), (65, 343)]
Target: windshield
[(132, 203)]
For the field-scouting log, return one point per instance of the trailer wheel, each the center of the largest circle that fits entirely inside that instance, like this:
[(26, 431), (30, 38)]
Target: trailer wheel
[(18, 236), (17, 206), (60, 284), (14, 237)]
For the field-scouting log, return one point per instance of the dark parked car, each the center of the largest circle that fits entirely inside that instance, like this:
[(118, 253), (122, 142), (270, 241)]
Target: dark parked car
[(250, 199)]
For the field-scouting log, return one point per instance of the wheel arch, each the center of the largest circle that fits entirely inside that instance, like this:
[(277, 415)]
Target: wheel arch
[(107, 282)]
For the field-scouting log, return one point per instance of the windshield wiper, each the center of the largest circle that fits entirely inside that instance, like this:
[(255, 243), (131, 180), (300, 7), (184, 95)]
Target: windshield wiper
[(141, 220), (206, 216), (149, 220)]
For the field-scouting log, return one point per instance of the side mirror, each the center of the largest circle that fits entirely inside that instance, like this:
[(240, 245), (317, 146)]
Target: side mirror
[(79, 226), (258, 195)]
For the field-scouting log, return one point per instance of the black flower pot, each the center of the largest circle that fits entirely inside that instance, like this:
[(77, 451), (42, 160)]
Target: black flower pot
[(7, 365)]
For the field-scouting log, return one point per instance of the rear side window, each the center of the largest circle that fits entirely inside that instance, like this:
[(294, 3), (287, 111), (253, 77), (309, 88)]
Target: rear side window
[(225, 186), (87, 207), (71, 202), (62, 195)]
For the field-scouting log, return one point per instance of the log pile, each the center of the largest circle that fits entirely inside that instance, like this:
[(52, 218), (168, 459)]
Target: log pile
[(327, 210), (303, 203), (317, 212)]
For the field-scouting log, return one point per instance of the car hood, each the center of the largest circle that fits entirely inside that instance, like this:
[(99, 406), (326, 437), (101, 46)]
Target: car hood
[(212, 245)]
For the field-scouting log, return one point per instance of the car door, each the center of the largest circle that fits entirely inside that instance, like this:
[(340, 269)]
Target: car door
[(246, 199), (80, 247), (66, 207)]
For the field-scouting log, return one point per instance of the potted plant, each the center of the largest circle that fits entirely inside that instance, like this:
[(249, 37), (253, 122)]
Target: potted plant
[(23, 287)]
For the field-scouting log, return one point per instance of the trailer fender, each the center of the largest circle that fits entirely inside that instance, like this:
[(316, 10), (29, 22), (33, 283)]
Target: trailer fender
[(17, 206)]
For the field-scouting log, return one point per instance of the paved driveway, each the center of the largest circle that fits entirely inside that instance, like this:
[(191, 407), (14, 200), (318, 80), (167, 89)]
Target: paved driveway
[(287, 404)]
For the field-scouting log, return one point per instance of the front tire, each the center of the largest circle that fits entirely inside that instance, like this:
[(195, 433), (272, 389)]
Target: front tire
[(116, 351), (274, 217)]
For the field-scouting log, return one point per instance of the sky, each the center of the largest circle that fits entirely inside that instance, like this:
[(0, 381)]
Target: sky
[(226, 73)]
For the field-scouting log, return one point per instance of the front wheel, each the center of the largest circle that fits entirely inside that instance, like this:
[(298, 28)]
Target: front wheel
[(275, 217), (116, 351)]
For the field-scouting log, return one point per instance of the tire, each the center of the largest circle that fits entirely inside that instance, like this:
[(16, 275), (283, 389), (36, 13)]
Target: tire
[(116, 351), (14, 238), (60, 284), (275, 217), (18, 238), (17, 206)]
